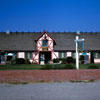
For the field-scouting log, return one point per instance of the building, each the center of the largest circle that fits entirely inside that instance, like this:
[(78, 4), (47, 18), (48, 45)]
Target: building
[(46, 46)]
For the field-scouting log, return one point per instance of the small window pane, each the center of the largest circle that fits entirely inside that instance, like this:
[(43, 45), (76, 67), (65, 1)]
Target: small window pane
[(73, 54), (62, 55), (28, 55), (95, 55), (31, 55), (45, 42)]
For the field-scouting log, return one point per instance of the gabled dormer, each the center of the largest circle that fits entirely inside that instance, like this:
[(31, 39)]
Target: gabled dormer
[(45, 42)]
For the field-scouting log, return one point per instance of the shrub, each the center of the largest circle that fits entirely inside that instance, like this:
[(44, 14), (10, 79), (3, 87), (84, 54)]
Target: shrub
[(82, 59), (13, 62), (57, 66), (20, 61), (56, 60), (69, 66), (93, 67), (74, 61), (27, 61), (9, 58), (46, 67), (70, 60), (63, 60)]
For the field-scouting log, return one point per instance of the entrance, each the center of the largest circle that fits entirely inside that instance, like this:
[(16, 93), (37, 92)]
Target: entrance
[(45, 56), (2, 58), (84, 59)]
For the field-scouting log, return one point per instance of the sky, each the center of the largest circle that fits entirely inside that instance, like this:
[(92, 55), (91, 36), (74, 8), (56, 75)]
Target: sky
[(50, 15)]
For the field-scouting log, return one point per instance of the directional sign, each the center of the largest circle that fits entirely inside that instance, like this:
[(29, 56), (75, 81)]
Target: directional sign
[(84, 53), (81, 46), (79, 40)]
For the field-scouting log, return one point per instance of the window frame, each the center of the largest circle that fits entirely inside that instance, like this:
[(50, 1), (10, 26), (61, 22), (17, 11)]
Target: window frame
[(28, 55), (74, 55), (97, 55), (43, 42), (62, 54)]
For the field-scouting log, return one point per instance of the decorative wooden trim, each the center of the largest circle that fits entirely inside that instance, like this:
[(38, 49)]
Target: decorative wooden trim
[(45, 32), (40, 47)]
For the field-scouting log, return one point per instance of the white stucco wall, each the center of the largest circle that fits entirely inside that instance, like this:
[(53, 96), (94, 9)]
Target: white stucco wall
[(35, 57), (39, 44), (55, 55), (50, 43), (97, 61), (21, 54)]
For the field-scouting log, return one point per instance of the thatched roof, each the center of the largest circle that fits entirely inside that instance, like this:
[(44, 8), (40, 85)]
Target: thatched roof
[(64, 41)]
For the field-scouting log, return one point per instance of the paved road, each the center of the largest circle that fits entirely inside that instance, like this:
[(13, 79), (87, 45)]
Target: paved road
[(51, 91)]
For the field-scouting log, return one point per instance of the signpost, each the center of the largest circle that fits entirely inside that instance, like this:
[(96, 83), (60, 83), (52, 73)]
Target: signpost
[(79, 48), (81, 45)]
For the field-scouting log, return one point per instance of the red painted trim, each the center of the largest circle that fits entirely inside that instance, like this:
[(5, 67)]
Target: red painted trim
[(44, 51), (34, 56), (50, 44), (40, 46), (40, 43), (38, 57), (55, 54), (45, 32)]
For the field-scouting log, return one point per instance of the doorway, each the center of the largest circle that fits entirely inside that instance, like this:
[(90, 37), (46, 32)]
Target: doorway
[(45, 56), (2, 57)]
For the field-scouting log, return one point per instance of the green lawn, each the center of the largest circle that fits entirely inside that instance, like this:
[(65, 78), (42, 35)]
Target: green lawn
[(85, 66), (20, 67), (38, 67)]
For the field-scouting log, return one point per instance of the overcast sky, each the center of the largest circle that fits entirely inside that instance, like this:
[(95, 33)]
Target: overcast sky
[(50, 15)]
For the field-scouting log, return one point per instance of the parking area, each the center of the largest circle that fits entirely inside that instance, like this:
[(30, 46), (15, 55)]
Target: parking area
[(51, 91)]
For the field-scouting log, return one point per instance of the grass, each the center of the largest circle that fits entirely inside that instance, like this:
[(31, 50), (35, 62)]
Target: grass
[(85, 81), (20, 67), (85, 66), (38, 67)]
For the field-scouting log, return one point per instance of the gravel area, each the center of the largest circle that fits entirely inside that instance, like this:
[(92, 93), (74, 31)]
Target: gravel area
[(51, 91)]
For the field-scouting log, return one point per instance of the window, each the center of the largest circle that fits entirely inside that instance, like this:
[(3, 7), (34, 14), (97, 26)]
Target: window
[(73, 54), (29, 55), (62, 55), (45, 43), (97, 55)]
